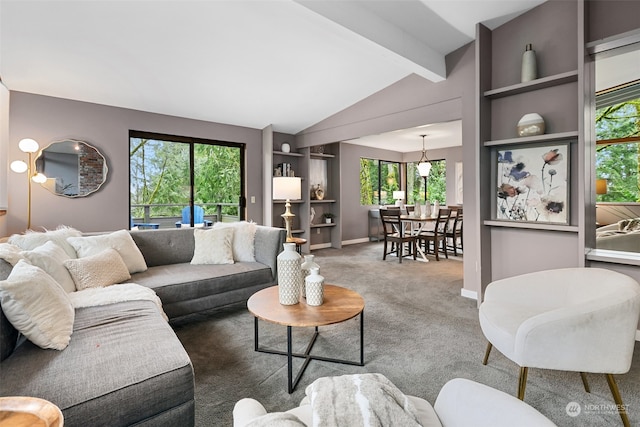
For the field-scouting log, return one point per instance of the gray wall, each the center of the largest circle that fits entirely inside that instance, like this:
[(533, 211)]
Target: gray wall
[(47, 119)]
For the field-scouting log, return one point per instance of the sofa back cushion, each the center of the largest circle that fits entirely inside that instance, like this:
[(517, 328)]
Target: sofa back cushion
[(165, 246), (8, 334)]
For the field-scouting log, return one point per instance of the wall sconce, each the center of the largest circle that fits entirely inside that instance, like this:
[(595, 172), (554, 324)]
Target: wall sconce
[(28, 146), (287, 188), (601, 186)]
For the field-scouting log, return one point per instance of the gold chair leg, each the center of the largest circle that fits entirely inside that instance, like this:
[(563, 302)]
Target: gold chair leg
[(622, 410), (522, 383), (585, 382), (486, 353)]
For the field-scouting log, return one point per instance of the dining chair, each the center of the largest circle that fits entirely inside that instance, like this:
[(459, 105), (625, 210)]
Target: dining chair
[(454, 231), (436, 236), (395, 233)]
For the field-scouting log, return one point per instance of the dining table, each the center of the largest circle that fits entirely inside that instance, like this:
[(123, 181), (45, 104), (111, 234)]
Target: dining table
[(416, 226)]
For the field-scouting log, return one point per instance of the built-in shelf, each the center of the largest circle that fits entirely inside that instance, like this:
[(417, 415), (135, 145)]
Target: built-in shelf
[(291, 154), (324, 224), (290, 201), (547, 137), (533, 225), (544, 82), (322, 156), (322, 201)]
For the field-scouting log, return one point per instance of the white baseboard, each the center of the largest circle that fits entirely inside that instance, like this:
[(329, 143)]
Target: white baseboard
[(469, 294), (319, 246), (355, 241)]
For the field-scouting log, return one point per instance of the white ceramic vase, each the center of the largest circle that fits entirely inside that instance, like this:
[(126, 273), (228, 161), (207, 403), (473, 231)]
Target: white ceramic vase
[(305, 268), (436, 209), (529, 66), (416, 210), (531, 124), (426, 210), (314, 284), (288, 264)]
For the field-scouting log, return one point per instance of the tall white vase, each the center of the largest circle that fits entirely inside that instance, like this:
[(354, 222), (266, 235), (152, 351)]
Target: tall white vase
[(288, 264), (436, 209), (529, 66)]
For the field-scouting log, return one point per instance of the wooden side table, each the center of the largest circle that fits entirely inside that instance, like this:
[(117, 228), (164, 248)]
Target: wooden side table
[(340, 304), (299, 241), (21, 411)]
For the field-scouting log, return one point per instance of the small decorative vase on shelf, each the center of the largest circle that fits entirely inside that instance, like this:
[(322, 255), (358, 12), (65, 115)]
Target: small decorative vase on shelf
[(529, 67), (436, 209), (314, 284), (285, 147), (306, 267), (531, 124), (288, 263)]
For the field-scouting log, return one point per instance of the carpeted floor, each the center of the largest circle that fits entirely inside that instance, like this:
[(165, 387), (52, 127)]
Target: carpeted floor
[(419, 332)]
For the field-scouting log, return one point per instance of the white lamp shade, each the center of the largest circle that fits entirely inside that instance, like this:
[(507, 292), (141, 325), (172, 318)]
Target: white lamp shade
[(287, 188), (18, 166), (28, 145), (398, 195), (424, 168)]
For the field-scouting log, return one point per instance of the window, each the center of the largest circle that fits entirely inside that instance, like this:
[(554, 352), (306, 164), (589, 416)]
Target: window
[(436, 183), (618, 151), (378, 180), (169, 173)]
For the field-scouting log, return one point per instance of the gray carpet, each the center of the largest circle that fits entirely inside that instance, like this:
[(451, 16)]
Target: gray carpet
[(419, 332)]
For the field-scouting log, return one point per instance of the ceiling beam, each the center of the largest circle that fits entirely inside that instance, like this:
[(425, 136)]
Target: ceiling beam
[(402, 47)]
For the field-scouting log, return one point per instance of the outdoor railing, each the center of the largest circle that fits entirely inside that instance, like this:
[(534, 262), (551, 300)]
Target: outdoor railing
[(165, 221)]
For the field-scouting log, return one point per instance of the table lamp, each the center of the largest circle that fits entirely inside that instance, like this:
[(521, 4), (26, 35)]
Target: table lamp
[(287, 188), (399, 197)]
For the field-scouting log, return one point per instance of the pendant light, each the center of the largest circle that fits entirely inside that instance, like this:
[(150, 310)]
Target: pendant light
[(424, 165)]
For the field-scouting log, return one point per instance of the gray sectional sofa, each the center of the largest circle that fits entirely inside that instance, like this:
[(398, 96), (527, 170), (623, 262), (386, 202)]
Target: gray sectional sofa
[(124, 364)]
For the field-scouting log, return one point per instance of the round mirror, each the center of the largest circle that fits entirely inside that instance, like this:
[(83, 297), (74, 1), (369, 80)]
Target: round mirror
[(73, 168)]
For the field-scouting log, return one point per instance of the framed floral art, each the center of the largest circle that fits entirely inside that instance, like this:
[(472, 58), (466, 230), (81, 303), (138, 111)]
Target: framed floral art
[(532, 184)]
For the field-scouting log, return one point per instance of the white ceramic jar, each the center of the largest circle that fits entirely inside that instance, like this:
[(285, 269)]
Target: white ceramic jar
[(306, 267), (288, 264), (531, 124), (314, 287)]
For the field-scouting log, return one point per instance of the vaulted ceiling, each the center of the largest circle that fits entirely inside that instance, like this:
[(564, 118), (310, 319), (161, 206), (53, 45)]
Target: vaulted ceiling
[(255, 63)]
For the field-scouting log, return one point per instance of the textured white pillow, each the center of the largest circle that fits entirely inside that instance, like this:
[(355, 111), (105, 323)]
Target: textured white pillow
[(32, 239), (102, 269), (10, 253), (50, 257), (213, 246), (243, 239), (37, 306), (119, 240)]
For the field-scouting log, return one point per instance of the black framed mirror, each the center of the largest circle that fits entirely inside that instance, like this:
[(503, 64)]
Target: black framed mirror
[(73, 168)]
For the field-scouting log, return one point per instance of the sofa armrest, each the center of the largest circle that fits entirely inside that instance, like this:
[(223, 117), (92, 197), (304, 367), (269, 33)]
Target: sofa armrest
[(268, 244), (463, 402)]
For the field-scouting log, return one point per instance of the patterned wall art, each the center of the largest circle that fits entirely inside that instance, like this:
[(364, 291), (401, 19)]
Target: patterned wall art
[(533, 184)]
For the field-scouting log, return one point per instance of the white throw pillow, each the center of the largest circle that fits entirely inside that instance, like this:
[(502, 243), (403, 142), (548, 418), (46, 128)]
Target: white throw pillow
[(119, 240), (102, 269), (32, 239), (213, 246), (10, 253), (243, 239), (50, 257), (37, 306)]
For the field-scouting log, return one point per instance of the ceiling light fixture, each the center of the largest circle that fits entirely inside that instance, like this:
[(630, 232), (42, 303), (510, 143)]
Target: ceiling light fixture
[(424, 165)]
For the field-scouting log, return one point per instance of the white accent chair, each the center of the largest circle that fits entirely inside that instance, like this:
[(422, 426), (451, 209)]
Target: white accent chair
[(571, 319), (460, 403)]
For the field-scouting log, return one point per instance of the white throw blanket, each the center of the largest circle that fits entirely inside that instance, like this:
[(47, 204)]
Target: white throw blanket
[(115, 293), (367, 400)]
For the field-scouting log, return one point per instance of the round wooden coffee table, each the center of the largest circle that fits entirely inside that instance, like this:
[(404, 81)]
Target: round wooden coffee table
[(339, 305)]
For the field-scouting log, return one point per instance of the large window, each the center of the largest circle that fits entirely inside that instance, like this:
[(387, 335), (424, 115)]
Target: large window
[(169, 173), (618, 151), (436, 183), (378, 180)]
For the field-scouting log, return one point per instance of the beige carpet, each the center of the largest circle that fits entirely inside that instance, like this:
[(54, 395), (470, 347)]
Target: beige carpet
[(419, 332)]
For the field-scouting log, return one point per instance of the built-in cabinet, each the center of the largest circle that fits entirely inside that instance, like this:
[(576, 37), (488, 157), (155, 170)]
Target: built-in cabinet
[(318, 167), (513, 247)]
